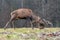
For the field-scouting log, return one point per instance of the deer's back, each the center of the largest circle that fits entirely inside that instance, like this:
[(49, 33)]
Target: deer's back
[(22, 12)]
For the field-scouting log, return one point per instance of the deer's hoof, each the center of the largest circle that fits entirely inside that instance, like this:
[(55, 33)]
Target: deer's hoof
[(41, 28)]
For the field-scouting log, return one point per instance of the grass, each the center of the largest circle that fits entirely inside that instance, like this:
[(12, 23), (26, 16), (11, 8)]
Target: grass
[(29, 30), (11, 34)]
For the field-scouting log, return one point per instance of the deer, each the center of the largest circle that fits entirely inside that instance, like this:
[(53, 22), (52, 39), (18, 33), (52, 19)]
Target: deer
[(24, 13)]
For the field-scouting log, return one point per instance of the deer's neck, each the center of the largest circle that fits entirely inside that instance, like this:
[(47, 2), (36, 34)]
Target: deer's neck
[(34, 17)]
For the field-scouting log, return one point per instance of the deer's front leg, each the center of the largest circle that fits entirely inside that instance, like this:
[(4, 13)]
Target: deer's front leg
[(38, 25), (31, 24)]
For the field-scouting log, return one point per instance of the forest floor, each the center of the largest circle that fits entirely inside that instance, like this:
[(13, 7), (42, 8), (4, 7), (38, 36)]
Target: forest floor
[(30, 34)]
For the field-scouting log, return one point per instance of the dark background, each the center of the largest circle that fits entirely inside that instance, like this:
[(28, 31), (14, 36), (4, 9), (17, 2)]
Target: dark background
[(47, 9)]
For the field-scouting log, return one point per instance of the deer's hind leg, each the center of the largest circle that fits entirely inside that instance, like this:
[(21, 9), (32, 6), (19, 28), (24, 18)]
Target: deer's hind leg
[(13, 24), (11, 19)]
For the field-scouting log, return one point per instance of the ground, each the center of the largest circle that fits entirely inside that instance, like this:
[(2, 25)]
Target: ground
[(29, 34)]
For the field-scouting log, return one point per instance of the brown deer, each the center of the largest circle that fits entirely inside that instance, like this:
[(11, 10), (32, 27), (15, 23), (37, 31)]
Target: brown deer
[(24, 13)]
